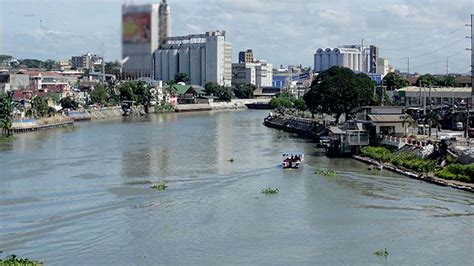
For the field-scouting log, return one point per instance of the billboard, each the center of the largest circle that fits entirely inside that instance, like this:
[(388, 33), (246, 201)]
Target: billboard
[(136, 28)]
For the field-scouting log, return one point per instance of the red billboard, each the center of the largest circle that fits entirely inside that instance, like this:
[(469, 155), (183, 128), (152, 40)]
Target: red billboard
[(136, 28)]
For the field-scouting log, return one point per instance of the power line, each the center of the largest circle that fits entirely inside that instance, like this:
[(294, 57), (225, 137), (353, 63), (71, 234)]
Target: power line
[(417, 46)]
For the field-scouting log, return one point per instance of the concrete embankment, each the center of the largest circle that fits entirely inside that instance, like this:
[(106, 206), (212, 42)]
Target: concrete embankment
[(303, 126), (411, 174), (43, 123), (106, 113), (235, 104)]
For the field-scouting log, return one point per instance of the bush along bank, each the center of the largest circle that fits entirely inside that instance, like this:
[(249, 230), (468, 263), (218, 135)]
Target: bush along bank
[(416, 167)]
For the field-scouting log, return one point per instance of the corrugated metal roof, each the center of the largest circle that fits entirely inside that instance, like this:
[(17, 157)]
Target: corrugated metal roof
[(443, 89), (386, 118)]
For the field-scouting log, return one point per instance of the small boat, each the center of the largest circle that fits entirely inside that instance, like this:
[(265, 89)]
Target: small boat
[(292, 160)]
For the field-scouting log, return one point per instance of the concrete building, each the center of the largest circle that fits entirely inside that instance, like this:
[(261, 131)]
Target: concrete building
[(86, 61), (144, 28), (246, 56), (418, 96), (351, 56), (204, 57), (259, 73)]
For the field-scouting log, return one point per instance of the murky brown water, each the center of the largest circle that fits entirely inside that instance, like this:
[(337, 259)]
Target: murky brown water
[(82, 196)]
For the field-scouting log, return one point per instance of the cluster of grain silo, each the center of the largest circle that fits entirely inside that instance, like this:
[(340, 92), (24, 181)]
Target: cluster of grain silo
[(350, 57)]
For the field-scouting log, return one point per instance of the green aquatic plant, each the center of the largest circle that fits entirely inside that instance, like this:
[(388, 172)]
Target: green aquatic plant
[(270, 191), (160, 186), (13, 260), (326, 172), (381, 253)]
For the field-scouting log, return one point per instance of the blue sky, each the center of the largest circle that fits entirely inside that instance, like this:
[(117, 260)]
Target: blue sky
[(282, 32)]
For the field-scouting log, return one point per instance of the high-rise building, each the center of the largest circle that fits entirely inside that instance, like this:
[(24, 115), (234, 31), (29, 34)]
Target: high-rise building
[(246, 56), (204, 57), (144, 28)]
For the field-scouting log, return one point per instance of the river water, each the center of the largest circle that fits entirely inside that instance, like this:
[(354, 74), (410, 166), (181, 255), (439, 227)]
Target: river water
[(81, 196)]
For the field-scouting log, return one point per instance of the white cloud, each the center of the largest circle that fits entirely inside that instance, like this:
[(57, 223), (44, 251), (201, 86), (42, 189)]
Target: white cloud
[(283, 32)]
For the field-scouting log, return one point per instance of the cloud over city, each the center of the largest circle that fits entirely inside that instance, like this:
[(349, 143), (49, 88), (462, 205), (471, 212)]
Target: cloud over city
[(282, 32)]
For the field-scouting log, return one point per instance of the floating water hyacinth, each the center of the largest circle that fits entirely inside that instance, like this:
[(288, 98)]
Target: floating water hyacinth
[(381, 253), (160, 186), (270, 191)]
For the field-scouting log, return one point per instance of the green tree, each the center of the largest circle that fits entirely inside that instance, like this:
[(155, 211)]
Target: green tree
[(225, 94), (40, 107), (212, 88), (282, 101), (142, 94), (427, 80), (395, 81), (68, 103), (338, 90), (244, 91), (300, 104), (112, 68), (99, 95), (6, 111), (126, 91), (182, 77), (447, 81)]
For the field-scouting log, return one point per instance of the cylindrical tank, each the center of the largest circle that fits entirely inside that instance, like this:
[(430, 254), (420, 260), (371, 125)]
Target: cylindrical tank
[(184, 61), (195, 65), (173, 63), (165, 65)]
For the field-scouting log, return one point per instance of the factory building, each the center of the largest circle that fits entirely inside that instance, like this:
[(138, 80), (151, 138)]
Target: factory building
[(144, 28), (251, 71), (204, 57)]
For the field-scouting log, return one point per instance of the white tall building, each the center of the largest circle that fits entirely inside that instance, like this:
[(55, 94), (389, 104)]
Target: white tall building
[(204, 57), (259, 73), (144, 28)]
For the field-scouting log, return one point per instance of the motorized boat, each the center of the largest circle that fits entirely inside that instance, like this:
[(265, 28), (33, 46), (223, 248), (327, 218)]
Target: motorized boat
[(292, 160)]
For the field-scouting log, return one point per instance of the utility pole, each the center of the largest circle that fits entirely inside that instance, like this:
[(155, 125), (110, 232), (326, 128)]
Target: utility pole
[(466, 133), (103, 63), (447, 66), (408, 66), (362, 56)]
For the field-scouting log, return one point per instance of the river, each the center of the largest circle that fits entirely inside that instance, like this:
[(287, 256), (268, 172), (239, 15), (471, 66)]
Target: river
[(82, 196)]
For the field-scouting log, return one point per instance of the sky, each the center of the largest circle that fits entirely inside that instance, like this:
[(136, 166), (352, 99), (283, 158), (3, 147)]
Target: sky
[(281, 32)]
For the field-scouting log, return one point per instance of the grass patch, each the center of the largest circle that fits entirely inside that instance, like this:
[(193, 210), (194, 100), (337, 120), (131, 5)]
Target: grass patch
[(326, 172), (13, 260), (164, 108), (270, 191), (381, 253), (463, 173), (160, 186), (405, 160)]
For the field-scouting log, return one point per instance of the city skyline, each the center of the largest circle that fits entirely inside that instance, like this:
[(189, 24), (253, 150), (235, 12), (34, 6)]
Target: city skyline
[(281, 32)]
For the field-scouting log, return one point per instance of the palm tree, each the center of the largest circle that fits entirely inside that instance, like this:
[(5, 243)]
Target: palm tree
[(433, 120), (408, 122)]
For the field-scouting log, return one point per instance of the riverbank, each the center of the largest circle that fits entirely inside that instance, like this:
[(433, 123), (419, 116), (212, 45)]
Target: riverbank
[(409, 173), (312, 129), (42, 123)]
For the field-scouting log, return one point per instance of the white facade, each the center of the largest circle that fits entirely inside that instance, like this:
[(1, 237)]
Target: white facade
[(143, 29), (350, 56), (383, 67), (259, 73), (204, 57)]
